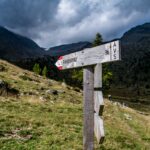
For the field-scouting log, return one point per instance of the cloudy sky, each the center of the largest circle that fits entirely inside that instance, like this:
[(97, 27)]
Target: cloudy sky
[(55, 22)]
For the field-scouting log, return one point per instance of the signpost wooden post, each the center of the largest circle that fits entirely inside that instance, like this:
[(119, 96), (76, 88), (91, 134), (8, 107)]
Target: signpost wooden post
[(91, 59), (88, 109)]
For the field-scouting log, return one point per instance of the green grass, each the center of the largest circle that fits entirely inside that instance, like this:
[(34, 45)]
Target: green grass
[(27, 123), (57, 126), (46, 126)]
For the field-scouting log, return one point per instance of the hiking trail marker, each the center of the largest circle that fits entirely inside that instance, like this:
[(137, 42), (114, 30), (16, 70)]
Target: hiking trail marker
[(91, 60)]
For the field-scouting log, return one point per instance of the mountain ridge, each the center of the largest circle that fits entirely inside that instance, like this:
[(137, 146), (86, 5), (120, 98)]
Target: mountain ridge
[(31, 49), (132, 71), (136, 33), (16, 47), (68, 48)]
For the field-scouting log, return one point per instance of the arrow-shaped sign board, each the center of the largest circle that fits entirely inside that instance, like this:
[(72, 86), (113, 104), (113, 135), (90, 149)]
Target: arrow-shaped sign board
[(90, 56)]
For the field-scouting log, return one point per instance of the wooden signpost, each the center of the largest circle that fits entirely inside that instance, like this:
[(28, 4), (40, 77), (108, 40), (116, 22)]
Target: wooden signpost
[(91, 60)]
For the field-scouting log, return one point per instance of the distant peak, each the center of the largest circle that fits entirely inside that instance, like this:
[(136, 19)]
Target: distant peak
[(147, 23), (1, 27), (137, 34)]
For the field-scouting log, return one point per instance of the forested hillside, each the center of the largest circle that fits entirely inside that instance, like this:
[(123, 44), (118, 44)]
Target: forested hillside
[(14, 47), (133, 72)]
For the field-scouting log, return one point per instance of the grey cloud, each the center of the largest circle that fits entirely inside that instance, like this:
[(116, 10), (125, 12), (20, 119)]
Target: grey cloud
[(53, 22), (25, 15), (17, 13), (134, 5)]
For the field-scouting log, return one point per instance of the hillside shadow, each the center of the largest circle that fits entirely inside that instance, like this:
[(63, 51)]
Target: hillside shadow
[(142, 108)]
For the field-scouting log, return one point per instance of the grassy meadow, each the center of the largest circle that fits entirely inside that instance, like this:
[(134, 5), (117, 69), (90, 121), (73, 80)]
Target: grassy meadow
[(47, 115)]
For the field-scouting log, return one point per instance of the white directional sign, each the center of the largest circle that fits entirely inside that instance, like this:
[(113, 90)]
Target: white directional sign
[(90, 56), (93, 97)]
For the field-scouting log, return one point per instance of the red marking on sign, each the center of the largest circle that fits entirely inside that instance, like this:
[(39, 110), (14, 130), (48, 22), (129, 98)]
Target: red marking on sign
[(59, 63), (61, 57), (60, 67)]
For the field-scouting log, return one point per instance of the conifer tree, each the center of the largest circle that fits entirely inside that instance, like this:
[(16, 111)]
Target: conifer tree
[(44, 71), (36, 68), (107, 74), (98, 40)]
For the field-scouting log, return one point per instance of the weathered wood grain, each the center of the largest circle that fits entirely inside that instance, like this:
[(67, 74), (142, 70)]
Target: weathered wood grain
[(98, 76), (98, 96), (98, 128), (88, 110), (98, 102), (90, 56)]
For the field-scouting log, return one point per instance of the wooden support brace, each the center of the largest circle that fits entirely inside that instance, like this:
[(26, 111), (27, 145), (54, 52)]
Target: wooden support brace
[(99, 128), (98, 104)]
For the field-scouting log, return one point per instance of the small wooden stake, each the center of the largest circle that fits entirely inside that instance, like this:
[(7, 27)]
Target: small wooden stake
[(88, 110)]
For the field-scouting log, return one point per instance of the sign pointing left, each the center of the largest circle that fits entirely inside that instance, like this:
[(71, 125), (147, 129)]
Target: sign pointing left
[(59, 63), (104, 53), (92, 85)]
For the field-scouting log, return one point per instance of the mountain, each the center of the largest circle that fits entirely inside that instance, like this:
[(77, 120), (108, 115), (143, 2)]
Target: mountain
[(137, 34), (68, 48), (135, 42), (131, 75), (133, 72), (16, 47), (24, 52)]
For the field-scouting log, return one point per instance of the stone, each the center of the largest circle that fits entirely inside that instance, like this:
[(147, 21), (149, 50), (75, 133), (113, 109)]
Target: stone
[(128, 117), (21, 94), (109, 97), (77, 89), (60, 91), (54, 92), (42, 98), (64, 84), (30, 93), (37, 93), (2, 68), (3, 88), (42, 88)]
